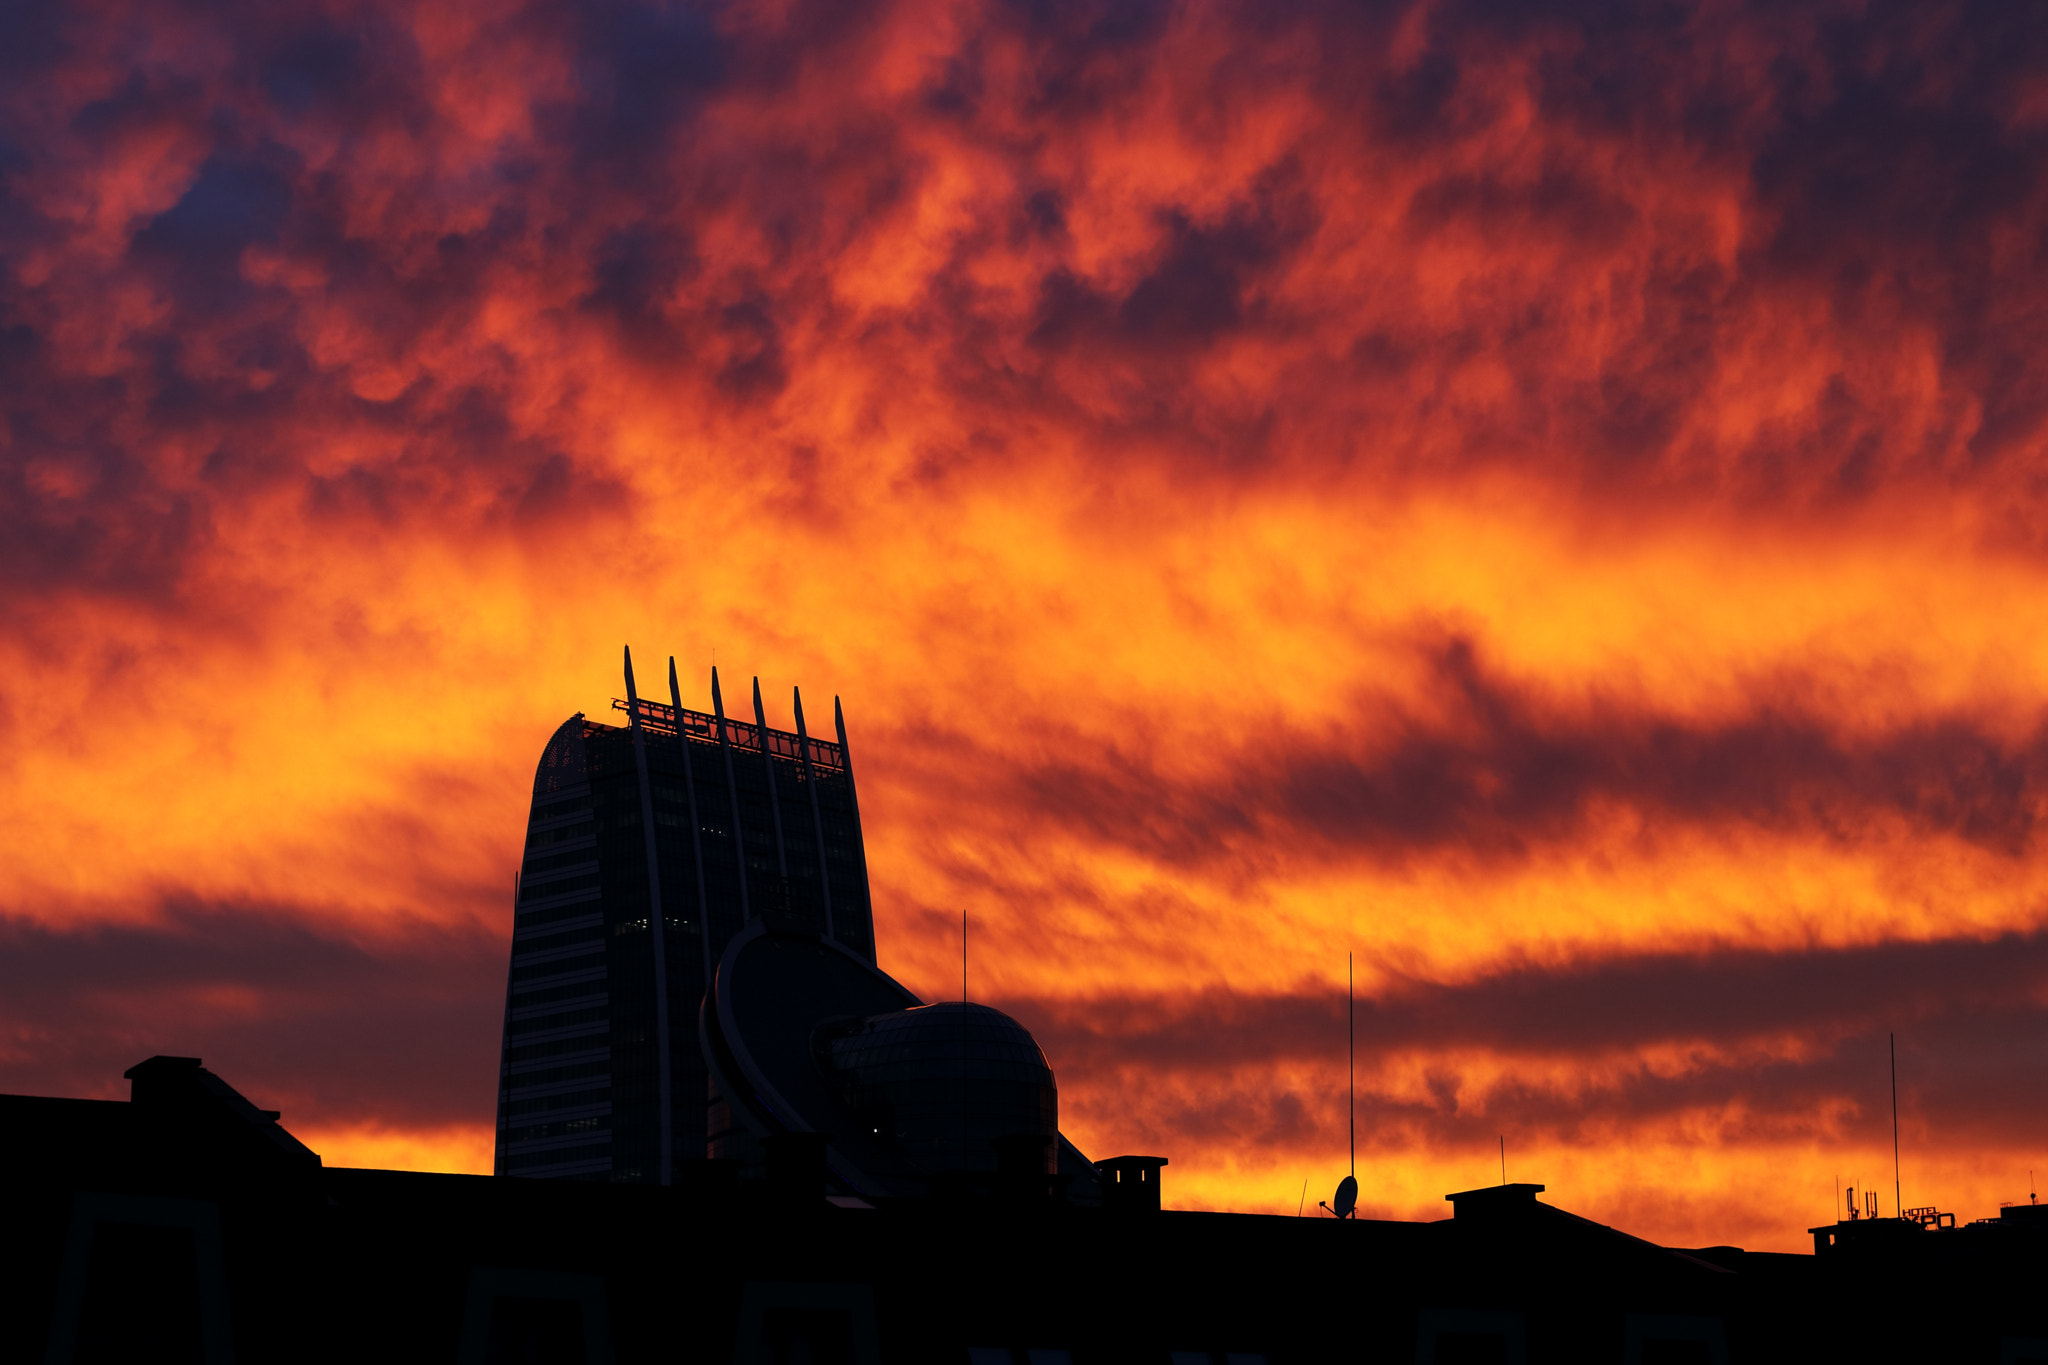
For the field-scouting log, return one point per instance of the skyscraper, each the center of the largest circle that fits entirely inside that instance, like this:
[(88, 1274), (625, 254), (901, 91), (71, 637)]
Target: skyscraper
[(651, 843)]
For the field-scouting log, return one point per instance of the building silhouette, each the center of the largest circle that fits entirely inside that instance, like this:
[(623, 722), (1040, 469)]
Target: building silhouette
[(188, 1224), (817, 1055), (651, 844)]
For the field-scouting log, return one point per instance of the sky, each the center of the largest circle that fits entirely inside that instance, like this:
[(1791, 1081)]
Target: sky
[(1544, 499)]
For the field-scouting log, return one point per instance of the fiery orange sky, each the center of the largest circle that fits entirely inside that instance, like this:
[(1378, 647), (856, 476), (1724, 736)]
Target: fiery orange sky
[(1546, 498)]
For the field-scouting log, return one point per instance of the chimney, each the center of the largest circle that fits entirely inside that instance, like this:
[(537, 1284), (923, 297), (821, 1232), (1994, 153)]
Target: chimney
[(201, 1118), (1130, 1184), (1494, 1203)]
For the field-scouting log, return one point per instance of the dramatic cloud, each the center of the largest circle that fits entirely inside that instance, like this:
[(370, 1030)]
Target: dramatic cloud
[(1545, 498)]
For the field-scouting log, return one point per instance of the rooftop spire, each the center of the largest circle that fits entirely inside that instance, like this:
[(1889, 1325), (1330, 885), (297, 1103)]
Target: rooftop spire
[(774, 799)]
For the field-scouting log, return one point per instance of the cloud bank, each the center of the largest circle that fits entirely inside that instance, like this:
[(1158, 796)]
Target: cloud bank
[(1545, 498)]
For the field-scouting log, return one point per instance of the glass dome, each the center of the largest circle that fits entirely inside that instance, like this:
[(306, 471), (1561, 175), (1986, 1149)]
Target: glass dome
[(945, 1082)]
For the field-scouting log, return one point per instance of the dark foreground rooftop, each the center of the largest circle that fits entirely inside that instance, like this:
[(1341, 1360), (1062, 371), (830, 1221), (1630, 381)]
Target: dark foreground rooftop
[(188, 1225)]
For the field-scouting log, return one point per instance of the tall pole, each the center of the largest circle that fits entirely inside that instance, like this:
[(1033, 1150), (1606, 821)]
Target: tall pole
[(1898, 1204), (1351, 1037), (768, 766), (732, 789), (803, 744), (853, 801), (654, 918), (675, 696)]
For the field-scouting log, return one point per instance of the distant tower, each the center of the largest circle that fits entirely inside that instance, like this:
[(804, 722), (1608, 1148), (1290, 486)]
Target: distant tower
[(601, 1075)]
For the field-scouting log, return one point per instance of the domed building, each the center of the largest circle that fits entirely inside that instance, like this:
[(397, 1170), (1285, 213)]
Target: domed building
[(803, 1036), (945, 1082)]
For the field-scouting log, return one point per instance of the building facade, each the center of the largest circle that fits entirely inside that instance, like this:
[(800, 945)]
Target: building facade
[(653, 842), (187, 1224)]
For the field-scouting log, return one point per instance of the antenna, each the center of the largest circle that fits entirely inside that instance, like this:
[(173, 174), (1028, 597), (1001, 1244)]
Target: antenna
[(1898, 1204), (1345, 1202), (1503, 1158), (1302, 1202), (963, 957)]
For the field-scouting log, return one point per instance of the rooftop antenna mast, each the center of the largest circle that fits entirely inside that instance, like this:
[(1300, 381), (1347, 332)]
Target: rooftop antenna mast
[(1345, 1202), (1898, 1204)]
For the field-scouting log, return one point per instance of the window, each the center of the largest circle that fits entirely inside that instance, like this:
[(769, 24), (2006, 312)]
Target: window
[(528, 1079), (562, 967), (551, 942), (516, 1316), (574, 1099), (554, 862), (561, 1047), (533, 1329), (555, 1156), (1449, 1336), (533, 891), (1665, 1339), (1470, 1348), (568, 1128), (582, 829), (569, 992), (141, 1279), (806, 1336), (141, 1295), (782, 1323), (547, 1022), (1667, 1351)]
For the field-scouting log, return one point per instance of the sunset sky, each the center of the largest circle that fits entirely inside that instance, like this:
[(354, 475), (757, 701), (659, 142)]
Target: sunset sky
[(1551, 499)]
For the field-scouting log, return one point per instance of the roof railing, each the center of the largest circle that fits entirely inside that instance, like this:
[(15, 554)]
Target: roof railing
[(663, 719)]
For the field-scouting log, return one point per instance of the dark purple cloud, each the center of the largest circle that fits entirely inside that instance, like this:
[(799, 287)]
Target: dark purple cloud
[(401, 1028), (1594, 1043)]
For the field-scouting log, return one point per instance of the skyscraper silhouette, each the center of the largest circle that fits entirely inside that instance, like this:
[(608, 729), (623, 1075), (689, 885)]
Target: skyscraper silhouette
[(601, 1075)]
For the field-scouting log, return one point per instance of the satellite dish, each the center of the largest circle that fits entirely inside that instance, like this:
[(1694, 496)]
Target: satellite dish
[(1346, 1202)]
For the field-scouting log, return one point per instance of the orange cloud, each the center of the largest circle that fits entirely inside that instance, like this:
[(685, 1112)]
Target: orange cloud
[(1545, 505)]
